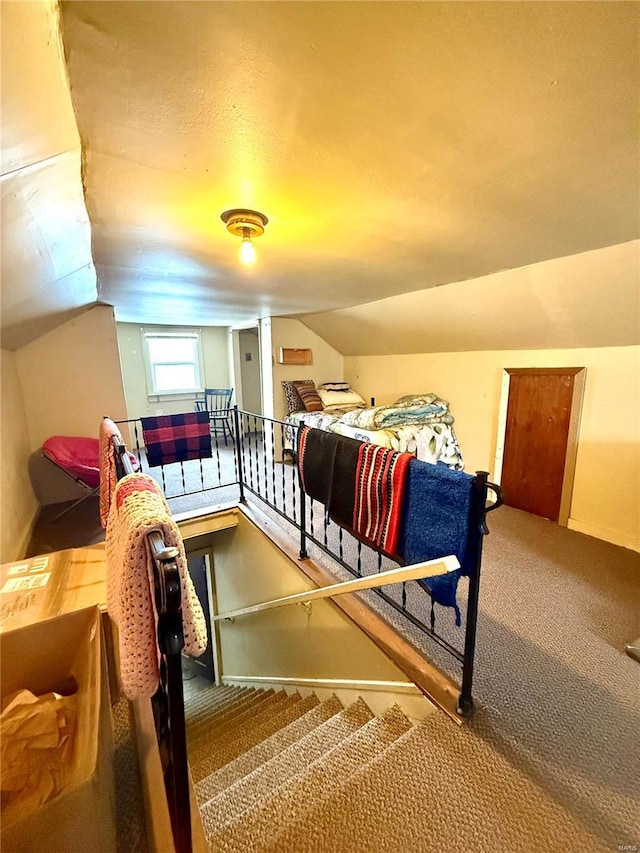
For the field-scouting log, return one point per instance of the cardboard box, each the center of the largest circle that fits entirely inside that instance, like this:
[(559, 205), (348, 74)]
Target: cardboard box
[(48, 656), (40, 587)]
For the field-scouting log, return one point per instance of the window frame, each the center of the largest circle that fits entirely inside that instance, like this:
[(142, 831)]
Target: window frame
[(148, 333)]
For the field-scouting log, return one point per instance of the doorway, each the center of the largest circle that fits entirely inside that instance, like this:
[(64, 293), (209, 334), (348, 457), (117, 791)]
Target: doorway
[(537, 439), (248, 372)]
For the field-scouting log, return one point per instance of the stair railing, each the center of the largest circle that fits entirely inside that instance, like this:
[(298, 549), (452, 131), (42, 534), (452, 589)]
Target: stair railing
[(168, 701), (417, 571), (259, 449)]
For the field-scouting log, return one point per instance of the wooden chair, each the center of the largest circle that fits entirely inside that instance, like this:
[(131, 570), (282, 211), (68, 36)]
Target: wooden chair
[(217, 401)]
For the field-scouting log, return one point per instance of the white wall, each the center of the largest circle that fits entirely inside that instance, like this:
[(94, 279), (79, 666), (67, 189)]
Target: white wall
[(328, 363), (249, 568), (605, 500), (71, 377), (139, 402), (19, 505), (249, 346)]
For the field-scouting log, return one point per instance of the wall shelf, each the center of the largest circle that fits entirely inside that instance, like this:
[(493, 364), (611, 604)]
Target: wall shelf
[(287, 355)]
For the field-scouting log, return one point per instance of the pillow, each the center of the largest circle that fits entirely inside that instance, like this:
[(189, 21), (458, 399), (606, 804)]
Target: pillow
[(309, 396), (335, 386), (293, 399), (341, 398)]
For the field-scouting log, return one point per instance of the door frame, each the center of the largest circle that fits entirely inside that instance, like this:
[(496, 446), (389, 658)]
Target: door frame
[(234, 332), (579, 379)]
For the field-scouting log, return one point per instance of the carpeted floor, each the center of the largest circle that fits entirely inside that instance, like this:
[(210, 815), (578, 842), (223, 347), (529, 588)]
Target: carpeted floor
[(555, 693), (557, 698)]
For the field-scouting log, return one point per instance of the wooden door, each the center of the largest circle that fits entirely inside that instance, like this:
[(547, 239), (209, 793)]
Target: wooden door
[(539, 415)]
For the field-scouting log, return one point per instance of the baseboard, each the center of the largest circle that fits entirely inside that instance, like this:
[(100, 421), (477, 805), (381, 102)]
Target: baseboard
[(613, 536), (378, 695)]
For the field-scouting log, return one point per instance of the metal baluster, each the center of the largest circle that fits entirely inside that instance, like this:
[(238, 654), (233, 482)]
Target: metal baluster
[(250, 451), (294, 487), (404, 595), (303, 523), (273, 462), (264, 460), (477, 530), (311, 526), (255, 438), (242, 458), (184, 484), (138, 450), (237, 453), (326, 526), (359, 558), (282, 467), (379, 562), (217, 446), (340, 547)]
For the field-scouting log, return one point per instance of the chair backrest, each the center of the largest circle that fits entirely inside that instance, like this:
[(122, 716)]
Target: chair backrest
[(217, 398)]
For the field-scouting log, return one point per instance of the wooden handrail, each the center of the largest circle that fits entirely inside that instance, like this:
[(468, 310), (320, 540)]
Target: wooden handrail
[(417, 571)]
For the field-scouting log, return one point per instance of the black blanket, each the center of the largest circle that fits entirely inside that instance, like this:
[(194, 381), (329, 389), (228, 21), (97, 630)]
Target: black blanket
[(327, 465)]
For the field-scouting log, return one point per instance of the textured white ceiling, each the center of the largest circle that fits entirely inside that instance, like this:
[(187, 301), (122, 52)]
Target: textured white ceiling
[(394, 146), (47, 269), (586, 300)]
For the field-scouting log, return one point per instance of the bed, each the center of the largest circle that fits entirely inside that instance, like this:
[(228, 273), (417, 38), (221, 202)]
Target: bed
[(416, 423)]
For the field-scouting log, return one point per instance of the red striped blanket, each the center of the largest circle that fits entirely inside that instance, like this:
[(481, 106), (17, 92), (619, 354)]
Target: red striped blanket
[(361, 484), (380, 479)]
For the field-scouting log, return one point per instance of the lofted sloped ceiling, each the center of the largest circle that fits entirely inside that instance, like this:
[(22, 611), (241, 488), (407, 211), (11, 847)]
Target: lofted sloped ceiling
[(47, 270), (394, 146)]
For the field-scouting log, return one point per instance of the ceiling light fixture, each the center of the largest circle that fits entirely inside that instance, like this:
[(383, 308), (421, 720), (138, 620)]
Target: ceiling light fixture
[(246, 224)]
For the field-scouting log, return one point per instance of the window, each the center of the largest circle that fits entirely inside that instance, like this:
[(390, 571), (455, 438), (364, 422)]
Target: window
[(173, 361)]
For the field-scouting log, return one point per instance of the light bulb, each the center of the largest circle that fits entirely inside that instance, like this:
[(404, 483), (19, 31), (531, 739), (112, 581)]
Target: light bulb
[(247, 252)]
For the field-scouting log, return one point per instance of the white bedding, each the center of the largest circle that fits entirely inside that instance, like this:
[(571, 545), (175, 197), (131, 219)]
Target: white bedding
[(429, 441)]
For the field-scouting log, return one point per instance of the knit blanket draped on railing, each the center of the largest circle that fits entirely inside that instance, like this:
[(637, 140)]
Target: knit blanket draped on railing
[(138, 508)]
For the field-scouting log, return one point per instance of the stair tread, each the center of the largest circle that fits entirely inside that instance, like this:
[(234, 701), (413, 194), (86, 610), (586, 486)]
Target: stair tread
[(210, 729), (219, 714), (236, 739), (318, 779), (205, 741), (465, 796), (286, 763), (204, 701), (313, 714)]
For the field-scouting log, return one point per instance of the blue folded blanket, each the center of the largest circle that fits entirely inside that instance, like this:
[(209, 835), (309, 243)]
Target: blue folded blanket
[(435, 523)]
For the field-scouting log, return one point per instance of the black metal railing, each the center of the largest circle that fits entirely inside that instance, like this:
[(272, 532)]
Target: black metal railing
[(168, 701), (263, 463), (266, 454), (181, 479)]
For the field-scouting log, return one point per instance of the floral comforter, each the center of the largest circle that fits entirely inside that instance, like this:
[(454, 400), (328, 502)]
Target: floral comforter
[(420, 425)]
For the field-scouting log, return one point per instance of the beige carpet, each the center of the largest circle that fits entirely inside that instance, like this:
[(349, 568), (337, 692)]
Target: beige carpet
[(555, 693), (557, 698), (342, 779)]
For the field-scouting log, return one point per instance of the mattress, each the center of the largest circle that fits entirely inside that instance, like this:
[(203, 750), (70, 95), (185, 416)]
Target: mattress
[(430, 442)]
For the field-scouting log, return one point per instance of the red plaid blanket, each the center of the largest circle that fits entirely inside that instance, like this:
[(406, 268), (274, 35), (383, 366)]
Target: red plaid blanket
[(176, 438)]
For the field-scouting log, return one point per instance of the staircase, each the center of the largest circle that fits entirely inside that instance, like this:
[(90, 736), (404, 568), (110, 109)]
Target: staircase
[(276, 772)]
